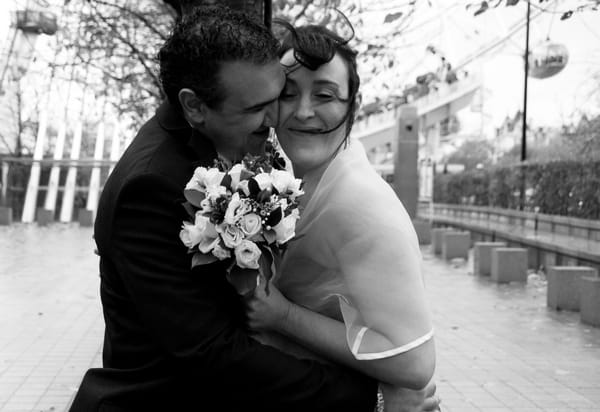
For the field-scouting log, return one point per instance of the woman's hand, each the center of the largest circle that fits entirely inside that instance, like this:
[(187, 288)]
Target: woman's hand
[(398, 399), (267, 311)]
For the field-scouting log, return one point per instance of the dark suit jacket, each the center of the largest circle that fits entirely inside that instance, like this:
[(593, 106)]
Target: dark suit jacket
[(175, 338)]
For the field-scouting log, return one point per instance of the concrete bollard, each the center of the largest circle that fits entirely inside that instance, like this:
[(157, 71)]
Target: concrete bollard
[(590, 300), (482, 257), (85, 218), (5, 216), (509, 265), (456, 245), (44, 216), (436, 239), (564, 286), (423, 230)]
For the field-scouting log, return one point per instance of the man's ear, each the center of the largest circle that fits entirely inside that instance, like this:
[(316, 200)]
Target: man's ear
[(193, 108)]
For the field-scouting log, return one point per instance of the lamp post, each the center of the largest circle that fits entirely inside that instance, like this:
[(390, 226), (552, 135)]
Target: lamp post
[(526, 75)]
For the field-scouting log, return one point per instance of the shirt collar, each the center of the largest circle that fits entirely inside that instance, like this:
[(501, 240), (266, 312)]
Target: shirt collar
[(172, 120)]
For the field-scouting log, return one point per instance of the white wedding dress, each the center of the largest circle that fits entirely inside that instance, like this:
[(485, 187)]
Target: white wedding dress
[(357, 259)]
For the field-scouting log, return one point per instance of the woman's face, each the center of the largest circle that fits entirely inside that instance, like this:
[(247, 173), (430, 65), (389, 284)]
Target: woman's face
[(311, 103)]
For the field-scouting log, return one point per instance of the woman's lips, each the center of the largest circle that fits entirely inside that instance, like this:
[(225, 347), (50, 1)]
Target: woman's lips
[(305, 131)]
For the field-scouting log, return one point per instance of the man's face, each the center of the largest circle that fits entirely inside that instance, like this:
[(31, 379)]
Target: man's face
[(241, 124)]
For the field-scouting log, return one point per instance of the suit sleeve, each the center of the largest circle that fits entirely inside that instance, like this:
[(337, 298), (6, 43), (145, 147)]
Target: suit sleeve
[(197, 319)]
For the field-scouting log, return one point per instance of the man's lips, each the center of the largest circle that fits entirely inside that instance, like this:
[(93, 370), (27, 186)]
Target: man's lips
[(261, 133)]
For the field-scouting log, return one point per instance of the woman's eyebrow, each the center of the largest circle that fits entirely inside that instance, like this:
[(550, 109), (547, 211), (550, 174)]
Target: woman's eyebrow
[(323, 82)]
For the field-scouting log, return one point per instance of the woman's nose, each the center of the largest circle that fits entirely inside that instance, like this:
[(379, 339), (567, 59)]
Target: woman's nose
[(305, 109)]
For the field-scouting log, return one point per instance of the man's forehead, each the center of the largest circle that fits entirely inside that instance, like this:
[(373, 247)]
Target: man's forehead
[(249, 84)]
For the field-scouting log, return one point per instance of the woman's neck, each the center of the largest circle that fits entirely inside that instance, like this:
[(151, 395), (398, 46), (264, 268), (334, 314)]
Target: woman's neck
[(311, 179)]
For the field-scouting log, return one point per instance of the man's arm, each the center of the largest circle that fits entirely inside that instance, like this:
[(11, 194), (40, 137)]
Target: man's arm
[(194, 316)]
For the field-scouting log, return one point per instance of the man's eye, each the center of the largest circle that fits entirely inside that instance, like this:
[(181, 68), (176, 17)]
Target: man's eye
[(256, 109), (286, 95)]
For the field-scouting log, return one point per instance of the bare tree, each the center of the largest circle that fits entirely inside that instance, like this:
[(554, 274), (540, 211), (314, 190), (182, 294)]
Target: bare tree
[(118, 40)]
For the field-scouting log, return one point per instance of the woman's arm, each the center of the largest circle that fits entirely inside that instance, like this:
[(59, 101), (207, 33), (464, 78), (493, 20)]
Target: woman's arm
[(326, 336)]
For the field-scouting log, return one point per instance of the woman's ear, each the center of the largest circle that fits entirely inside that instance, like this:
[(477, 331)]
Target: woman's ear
[(192, 106)]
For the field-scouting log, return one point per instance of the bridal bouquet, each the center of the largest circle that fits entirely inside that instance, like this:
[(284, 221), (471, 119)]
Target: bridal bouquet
[(244, 215)]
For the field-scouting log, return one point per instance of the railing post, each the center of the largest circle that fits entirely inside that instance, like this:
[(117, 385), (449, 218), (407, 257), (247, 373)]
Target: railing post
[(66, 210), (5, 168), (31, 193), (5, 209)]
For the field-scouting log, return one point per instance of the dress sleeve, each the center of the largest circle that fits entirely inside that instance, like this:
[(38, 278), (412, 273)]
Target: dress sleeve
[(384, 306)]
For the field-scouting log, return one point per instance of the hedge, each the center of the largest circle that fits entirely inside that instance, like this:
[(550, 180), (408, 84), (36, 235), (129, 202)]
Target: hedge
[(565, 188)]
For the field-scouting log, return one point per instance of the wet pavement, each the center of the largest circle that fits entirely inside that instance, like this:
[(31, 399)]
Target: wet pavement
[(499, 347)]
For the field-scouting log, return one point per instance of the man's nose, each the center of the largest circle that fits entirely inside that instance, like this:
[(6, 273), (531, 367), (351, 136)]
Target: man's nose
[(271, 114)]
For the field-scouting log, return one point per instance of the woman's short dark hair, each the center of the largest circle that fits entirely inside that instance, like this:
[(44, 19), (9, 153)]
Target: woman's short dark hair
[(204, 39), (315, 46)]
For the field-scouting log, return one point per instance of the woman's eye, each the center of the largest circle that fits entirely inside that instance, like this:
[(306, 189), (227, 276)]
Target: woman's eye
[(325, 96)]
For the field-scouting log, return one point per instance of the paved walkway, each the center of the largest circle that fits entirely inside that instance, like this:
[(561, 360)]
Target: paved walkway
[(499, 348)]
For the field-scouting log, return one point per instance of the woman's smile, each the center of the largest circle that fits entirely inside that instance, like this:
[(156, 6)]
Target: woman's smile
[(309, 131)]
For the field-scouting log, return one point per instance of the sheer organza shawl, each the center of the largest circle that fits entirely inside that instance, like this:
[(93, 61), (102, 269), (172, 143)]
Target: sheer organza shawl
[(356, 258)]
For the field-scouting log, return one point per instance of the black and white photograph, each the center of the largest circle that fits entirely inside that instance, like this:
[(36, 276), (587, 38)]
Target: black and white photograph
[(300, 205)]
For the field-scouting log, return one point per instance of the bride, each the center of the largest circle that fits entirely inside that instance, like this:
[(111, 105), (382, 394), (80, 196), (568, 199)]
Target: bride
[(349, 287)]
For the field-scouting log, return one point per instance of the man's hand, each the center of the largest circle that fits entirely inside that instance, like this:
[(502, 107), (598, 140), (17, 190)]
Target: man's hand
[(398, 399)]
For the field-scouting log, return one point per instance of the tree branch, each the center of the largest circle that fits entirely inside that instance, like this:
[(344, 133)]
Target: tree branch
[(133, 48), (139, 16)]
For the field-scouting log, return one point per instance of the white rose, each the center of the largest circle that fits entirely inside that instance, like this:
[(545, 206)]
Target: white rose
[(195, 189), (294, 189), (283, 203), (232, 235), (264, 180), (236, 208), (286, 228), (215, 191), (196, 185), (243, 186), (190, 234), (281, 180), (213, 177), (200, 174), (204, 224), (206, 206), (209, 233), (235, 173), (251, 224), (200, 179), (220, 252), (208, 244), (247, 255)]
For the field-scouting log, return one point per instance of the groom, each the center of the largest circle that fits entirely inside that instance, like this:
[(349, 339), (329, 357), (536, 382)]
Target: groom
[(175, 337)]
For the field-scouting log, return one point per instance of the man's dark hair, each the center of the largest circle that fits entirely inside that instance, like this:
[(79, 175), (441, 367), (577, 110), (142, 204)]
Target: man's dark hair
[(204, 39), (315, 46)]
